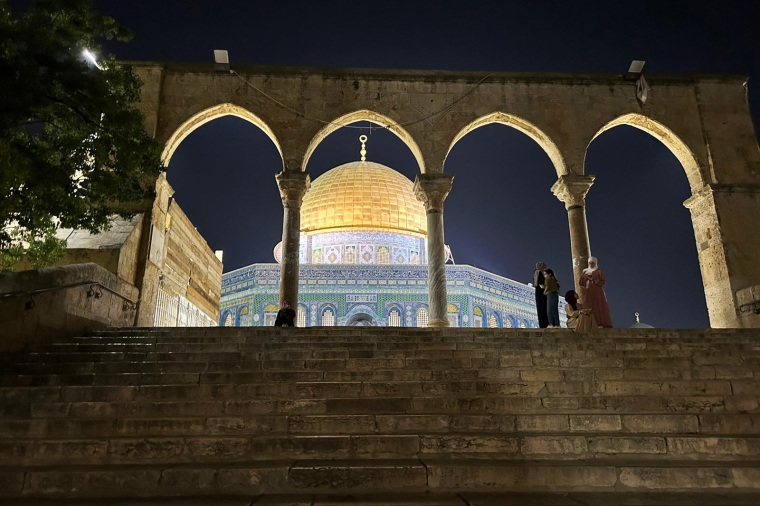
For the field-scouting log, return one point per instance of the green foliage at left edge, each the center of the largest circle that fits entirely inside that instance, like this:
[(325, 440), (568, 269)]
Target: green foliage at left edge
[(73, 147)]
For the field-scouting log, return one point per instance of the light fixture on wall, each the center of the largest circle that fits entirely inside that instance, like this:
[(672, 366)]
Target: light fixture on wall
[(635, 70), (221, 60), (636, 73)]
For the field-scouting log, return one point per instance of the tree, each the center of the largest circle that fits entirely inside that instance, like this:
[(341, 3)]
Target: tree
[(73, 148)]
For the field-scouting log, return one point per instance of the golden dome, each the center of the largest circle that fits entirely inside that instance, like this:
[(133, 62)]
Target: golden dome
[(362, 196)]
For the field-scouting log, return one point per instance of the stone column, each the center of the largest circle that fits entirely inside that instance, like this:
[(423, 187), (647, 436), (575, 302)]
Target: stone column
[(571, 189), (432, 189), (293, 185), (725, 219)]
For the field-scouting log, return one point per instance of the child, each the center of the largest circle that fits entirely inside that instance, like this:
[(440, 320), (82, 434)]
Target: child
[(551, 290)]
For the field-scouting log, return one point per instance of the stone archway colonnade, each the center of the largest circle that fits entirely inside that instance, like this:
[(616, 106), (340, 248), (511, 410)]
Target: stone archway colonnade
[(703, 120)]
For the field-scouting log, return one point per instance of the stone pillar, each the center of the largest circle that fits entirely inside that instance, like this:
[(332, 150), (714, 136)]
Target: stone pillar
[(151, 253), (725, 219), (432, 189), (571, 189), (293, 185)]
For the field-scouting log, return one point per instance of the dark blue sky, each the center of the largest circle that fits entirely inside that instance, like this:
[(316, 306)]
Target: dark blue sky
[(500, 215)]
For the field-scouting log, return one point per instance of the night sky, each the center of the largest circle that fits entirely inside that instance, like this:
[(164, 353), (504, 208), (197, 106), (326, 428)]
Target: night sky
[(500, 215)]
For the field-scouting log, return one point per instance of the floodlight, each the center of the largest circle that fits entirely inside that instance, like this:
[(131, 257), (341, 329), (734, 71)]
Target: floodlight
[(634, 70), (221, 60), (636, 66), (91, 58)]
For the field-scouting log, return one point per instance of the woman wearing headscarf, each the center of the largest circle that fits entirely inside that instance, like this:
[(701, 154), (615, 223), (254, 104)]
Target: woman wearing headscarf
[(538, 282), (579, 318), (593, 281)]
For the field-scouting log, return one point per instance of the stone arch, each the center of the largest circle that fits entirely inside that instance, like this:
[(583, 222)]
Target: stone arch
[(210, 114), (521, 125), (373, 117), (674, 143)]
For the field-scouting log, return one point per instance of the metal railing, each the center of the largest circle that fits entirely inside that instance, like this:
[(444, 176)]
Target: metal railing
[(91, 292)]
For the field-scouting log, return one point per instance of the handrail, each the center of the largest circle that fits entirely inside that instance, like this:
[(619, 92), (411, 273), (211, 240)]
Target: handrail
[(30, 293)]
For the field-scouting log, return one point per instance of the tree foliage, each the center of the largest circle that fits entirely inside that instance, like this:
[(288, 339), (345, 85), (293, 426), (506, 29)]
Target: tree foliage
[(73, 148)]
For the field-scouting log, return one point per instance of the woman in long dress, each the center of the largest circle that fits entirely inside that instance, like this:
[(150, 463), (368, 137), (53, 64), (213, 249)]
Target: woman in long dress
[(593, 280), (579, 318)]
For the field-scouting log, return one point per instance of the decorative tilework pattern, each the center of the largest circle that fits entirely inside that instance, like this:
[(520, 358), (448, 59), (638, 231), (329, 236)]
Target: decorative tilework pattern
[(388, 287)]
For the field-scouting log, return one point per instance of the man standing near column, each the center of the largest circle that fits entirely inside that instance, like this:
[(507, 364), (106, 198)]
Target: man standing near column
[(538, 282)]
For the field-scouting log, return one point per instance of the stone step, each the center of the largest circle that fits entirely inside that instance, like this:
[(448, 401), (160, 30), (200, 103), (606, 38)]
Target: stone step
[(228, 448), (705, 498), (501, 405), (233, 386), (386, 476), (663, 424), (398, 358)]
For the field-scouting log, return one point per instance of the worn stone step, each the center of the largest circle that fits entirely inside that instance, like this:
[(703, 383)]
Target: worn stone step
[(670, 424), (510, 404), (625, 498), (368, 476), (229, 448)]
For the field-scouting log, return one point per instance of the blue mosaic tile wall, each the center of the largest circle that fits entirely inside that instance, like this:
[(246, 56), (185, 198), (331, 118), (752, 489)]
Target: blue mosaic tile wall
[(377, 289)]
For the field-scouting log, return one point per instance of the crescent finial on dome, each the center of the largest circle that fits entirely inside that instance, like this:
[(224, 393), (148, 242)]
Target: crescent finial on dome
[(363, 152)]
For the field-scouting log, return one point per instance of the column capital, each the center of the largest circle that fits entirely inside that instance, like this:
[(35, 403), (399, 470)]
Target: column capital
[(293, 186), (432, 190), (571, 189)]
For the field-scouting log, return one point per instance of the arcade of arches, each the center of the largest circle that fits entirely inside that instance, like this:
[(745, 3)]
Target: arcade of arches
[(704, 121)]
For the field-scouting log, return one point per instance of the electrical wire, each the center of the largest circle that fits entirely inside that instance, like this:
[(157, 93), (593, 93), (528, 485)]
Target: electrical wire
[(371, 127)]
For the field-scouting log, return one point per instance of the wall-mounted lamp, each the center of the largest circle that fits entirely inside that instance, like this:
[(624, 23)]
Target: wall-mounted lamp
[(29, 304), (634, 70), (635, 73), (221, 60)]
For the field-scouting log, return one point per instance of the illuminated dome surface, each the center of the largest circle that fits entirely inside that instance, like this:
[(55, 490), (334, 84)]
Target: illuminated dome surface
[(362, 196)]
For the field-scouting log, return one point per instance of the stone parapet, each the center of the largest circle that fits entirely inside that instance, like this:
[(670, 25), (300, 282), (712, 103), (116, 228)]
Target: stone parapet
[(56, 302)]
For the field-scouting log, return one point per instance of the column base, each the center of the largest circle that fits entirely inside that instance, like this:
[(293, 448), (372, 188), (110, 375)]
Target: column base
[(438, 323)]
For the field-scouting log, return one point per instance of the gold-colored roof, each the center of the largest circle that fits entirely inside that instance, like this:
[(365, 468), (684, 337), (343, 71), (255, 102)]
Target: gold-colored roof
[(362, 196)]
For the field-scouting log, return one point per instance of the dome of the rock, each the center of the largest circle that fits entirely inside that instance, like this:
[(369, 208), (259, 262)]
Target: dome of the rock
[(362, 196)]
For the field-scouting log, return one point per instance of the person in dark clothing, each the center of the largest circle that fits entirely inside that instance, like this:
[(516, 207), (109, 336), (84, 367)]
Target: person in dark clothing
[(286, 316), (538, 283)]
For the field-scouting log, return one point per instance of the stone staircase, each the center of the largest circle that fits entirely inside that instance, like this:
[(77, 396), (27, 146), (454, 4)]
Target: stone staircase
[(387, 415)]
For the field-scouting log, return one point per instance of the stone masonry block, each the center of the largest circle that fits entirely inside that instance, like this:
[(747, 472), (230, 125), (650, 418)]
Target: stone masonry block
[(553, 445), (746, 477), (730, 423), (661, 423), (217, 447), (713, 446), (542, 423), (83, 451), (492, 475), (463, 445), (263, 478), (653, 478), (300, 446), (595, 423), (181, 480), (385, 445), (362, 476), (412, 423), (626, 445), (332, 424), (62, 483)]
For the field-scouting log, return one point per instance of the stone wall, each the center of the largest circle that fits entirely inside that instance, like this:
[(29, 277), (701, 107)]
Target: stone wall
[(190, 266), (54, 302)]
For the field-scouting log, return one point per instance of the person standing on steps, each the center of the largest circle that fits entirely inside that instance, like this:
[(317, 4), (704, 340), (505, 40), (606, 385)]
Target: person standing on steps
[(593, 280), (286, 316), (551, 290), (538, 283)]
